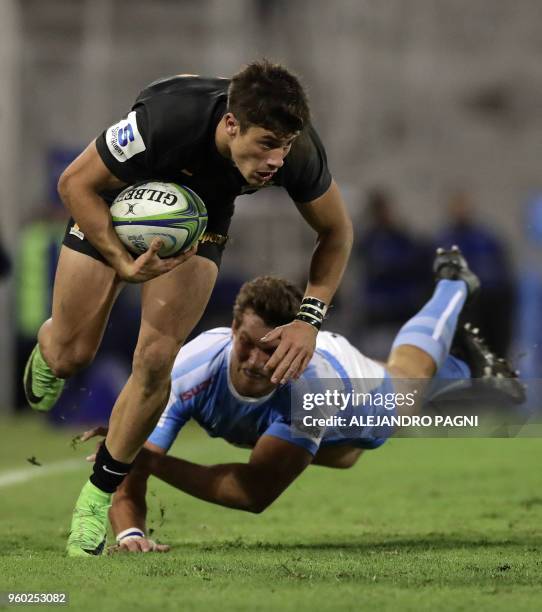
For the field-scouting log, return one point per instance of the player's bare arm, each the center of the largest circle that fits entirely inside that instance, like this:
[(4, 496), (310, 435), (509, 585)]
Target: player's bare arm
[(328, 216), (79, 187), (273, 465)]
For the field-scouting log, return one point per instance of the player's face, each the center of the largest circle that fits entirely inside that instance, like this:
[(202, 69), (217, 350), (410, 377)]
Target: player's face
[(249, 355), (258, 153)]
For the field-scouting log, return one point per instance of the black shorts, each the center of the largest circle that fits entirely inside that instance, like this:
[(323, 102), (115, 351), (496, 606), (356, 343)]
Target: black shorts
[(211, 244)]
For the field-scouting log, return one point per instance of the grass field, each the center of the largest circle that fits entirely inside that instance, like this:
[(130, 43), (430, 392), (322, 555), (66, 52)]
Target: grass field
[(421, 524)]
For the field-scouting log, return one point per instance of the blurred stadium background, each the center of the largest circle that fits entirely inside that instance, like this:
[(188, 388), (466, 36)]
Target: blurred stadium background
[(430, 111)]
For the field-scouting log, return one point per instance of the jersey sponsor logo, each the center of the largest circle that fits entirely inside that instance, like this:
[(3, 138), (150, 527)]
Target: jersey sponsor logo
[(124, 140), (75, 231), (191, 393)]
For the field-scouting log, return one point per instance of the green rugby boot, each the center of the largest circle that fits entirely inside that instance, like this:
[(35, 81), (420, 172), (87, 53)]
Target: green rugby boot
[(41, 387), (88, 530)]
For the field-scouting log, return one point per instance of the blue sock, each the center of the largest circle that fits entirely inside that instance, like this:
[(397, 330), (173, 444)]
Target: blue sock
[(452, 369), (453, 375), (433, 328)]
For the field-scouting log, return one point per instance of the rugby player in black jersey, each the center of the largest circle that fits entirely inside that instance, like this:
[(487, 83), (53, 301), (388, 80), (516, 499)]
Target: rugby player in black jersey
[(222, 138)]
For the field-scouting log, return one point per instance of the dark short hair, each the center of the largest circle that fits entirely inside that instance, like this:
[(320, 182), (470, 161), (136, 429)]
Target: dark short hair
[(275, 300), (269, 96)]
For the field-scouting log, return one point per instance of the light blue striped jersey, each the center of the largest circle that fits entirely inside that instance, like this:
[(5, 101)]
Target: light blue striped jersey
[(201, 389)]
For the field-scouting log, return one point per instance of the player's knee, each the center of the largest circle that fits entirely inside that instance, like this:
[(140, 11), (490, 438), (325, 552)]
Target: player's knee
[(153, 362), (407, 361), (67, 361)]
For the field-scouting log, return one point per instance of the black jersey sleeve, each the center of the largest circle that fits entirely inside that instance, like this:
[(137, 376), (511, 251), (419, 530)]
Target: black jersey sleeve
[(306, 175), (125, 147), (170, 124)]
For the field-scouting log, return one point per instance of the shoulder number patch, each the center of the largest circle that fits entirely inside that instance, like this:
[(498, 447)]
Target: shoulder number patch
[(123, 139)]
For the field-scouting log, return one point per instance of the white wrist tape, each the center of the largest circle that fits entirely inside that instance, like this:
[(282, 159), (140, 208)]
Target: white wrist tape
[(130, 534)]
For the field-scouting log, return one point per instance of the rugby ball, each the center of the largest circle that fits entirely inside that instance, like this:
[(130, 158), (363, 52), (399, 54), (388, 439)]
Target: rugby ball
[(168, 211)]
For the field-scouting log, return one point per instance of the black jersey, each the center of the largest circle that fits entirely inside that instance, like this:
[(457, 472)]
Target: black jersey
[(169, 135)]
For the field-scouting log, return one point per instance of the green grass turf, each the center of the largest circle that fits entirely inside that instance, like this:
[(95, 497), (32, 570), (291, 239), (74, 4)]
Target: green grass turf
[(420, 524)]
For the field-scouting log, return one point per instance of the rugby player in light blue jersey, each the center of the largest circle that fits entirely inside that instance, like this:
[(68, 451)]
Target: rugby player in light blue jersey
[(219, 380)]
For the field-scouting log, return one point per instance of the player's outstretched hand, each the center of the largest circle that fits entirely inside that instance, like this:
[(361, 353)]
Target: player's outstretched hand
[(93, 433), (136, 544), (149, 265), (292, 355)]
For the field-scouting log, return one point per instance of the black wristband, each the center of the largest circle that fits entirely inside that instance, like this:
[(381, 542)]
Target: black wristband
[(308, 319), (312, 311), (311, 301)]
